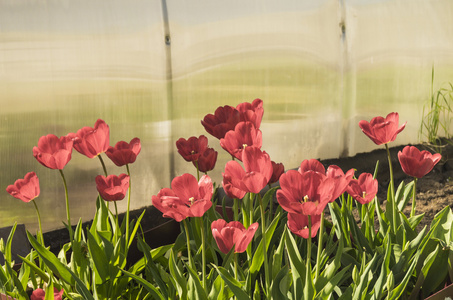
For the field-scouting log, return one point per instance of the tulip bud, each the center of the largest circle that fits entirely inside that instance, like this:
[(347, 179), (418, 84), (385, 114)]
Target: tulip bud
[(355, 275)]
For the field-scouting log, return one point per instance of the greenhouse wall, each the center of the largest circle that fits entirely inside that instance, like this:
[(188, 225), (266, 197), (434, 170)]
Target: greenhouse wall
[(153, 69)]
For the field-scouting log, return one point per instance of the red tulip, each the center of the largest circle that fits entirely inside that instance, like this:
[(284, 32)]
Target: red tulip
[(223, 120), (258, 170), (124, 153), (298, 224), (341, 180), (244, 134), (53, 152), (193, 148), (39, 294), (277, 170), (307, 193), (186, 198), (113, 187), (312, 165), (417, 163), (206, 162), (251, 112), (25, 189), (92, 141), (382, 131), (363, 189), (232, 234)]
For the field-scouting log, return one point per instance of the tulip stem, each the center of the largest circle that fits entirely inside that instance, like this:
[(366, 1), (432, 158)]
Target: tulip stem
[(236, 276), (263, 230), (198, 170), (189, 255), (392, 188), (203, 252), (40, 233), (308, 267), (68, 215), (414, 192), (103, 165), (128, 207), (318, 255), (235, 209)]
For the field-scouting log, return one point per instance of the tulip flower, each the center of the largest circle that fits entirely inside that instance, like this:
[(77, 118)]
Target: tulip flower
[(363, 189), (92, 141), (251, 112), (232, 234), (312, 165), (417, 163), (223, 120), (298, 224), (40, 294), (277, 170), (186, 198), (341, 180), (112, 187), (124, 153), (244, 134), (193, 148), (53, 152), (382, 131), (206, 161), (25, 189), (258, 171), (307, 193)]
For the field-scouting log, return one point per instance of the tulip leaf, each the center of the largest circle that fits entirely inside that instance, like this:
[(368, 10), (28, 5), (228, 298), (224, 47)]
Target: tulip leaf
[(217, 289), (35, 269), (199, 290), (297, 266), (147, 285), (404, 197), (397, 292), (49, 291), (330, 285), (99, 258), (180, 281), (280, 285), (278, 256), (234, 285), (51, 261), (362, 286), (424, 271), (136, 227), (258, 258)]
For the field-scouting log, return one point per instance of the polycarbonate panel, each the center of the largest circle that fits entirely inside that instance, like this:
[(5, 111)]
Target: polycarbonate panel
[(63, 65)]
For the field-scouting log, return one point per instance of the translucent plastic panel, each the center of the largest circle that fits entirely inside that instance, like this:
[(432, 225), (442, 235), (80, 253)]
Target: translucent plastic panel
[(63, 65)]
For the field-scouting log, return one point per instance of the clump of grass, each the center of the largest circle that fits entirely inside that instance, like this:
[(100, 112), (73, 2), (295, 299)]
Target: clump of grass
[(435, 125)]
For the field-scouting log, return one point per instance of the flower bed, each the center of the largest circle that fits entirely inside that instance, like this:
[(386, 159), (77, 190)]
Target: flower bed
[(287, 251)]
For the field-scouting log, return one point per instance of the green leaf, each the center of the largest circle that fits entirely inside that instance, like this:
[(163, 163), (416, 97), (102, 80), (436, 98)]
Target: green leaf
[(297, 266), (148, 286), (199, 290), (280, 285), (258, 258), (398, 291), (234, 285), (35, 269), (134, 231), (176, 273), (329, 271), (278, 256), (99, 258), (216, 288), (424, 272), (8, 253), (364, 280), (49, 291)]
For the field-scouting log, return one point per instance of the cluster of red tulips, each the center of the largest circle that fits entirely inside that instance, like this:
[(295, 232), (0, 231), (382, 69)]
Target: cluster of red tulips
[(304, 193)]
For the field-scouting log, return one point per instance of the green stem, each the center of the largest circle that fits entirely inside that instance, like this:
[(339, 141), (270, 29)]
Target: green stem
[(203, 252), (308, 267), (320, 236), (413, 197), (198, 170), (68, 215), (128, 205), (40, 233), (263, 230), (103, 165), (189, 254), (392, 188), (235, 209), (236, 276)]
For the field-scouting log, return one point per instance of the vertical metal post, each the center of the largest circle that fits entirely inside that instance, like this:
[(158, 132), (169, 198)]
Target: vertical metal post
[(169, 86)]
